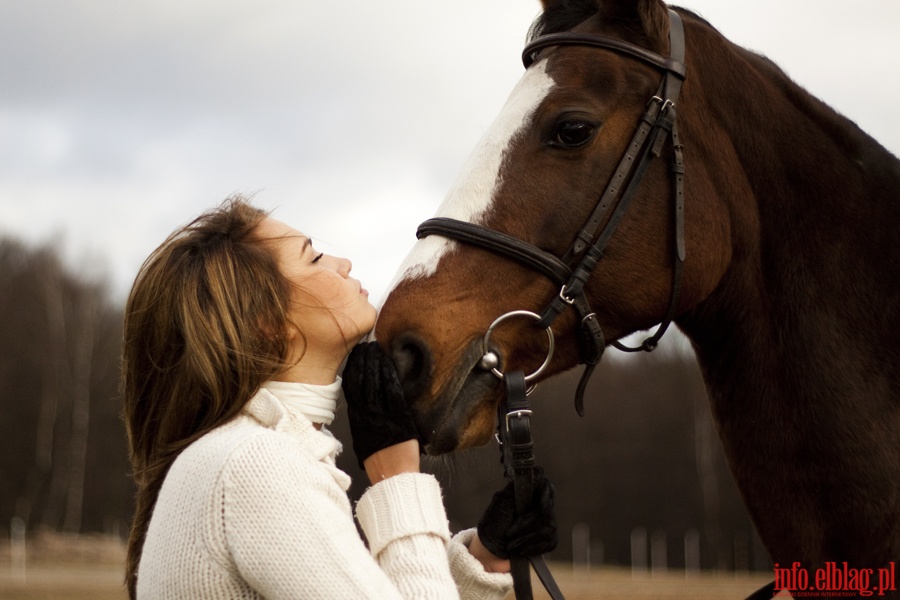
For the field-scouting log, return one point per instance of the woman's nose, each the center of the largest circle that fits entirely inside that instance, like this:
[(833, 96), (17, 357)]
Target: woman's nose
[(344, 266)]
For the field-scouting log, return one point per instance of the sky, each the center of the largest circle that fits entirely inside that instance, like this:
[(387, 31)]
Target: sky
[(122, 119)]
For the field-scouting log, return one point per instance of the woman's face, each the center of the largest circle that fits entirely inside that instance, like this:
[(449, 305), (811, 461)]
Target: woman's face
[(331, 308)]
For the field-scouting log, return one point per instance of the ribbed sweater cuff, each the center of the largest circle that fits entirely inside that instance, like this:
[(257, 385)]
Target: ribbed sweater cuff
[(471, 579), (400, 506)]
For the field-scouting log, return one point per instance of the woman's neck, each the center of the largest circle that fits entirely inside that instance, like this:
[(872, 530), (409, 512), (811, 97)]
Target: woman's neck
[(313, 374), (316, 366)]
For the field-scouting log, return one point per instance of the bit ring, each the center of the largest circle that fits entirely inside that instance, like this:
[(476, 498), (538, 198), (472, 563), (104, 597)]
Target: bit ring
[(490, 360)]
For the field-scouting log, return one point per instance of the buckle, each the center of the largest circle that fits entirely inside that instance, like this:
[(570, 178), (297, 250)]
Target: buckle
[(518, 414)]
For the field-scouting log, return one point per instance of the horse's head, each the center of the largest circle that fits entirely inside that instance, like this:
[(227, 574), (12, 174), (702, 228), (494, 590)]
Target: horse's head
[(537, 175)]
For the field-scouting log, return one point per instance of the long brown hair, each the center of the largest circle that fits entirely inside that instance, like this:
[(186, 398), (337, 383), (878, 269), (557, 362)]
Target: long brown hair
[(203, 331)]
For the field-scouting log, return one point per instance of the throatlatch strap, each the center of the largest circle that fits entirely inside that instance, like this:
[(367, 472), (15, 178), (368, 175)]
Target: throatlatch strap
[(517, 451)]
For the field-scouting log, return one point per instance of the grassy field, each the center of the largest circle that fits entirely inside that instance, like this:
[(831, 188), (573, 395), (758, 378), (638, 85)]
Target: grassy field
[(63, 568), (91, 569)]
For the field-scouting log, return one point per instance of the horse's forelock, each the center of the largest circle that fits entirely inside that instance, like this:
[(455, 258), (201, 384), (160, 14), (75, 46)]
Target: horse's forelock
[(562, 16)]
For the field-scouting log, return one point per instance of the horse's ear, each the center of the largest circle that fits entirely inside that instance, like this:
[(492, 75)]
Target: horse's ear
[(652, 14)]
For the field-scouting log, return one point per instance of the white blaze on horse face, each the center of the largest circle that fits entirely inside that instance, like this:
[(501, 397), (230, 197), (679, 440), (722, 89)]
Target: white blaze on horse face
[(471, 195)]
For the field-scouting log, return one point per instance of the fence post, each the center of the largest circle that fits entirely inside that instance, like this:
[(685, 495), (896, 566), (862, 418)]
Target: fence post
[(638, 551), (691, 553), (581, 546), (17, 549)]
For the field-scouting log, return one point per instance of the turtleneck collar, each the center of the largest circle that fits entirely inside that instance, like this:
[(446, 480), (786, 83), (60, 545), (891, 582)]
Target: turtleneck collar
[(315, 402)]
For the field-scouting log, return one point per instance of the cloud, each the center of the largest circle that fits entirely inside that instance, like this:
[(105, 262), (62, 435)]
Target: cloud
[(121, 120)]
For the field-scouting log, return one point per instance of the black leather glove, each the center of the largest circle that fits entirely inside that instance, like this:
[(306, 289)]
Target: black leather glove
[(379, 416), (533, 533)]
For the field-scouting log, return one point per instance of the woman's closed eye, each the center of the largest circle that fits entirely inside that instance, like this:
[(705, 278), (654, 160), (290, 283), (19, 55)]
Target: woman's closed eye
[(318, 256)]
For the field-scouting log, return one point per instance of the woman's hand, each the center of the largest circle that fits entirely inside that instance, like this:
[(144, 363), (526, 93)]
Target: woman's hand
[(385, 438), (491, 562)]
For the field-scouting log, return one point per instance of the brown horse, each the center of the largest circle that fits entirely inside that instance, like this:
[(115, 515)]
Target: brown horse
[(788, 292)]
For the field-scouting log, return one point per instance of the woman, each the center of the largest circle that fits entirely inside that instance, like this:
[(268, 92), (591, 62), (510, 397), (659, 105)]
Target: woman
[(235, 330)]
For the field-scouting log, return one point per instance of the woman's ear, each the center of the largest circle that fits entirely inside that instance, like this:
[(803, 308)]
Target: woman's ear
[(277, 332)]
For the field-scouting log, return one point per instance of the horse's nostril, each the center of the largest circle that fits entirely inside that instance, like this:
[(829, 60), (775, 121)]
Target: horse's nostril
[(413, 360)]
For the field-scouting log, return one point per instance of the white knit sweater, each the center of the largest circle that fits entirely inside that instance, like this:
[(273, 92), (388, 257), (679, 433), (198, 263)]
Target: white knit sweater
[(258, 509)]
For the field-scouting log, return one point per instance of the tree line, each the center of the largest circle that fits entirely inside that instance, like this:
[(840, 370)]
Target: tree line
[(62, 448), (645, 457)]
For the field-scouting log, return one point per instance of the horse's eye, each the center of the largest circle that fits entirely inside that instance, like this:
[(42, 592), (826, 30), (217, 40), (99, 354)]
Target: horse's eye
[(573, 133)]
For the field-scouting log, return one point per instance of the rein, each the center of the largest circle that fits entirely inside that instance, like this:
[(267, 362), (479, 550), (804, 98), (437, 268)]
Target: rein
[(516, 451), (572, 271)]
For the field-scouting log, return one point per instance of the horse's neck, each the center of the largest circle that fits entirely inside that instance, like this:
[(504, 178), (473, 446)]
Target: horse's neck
[(798, 341)]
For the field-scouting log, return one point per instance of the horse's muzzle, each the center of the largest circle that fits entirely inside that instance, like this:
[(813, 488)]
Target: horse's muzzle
[(452, 415)]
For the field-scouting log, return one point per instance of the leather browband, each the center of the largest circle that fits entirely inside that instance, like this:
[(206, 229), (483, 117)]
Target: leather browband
[(529, 54)]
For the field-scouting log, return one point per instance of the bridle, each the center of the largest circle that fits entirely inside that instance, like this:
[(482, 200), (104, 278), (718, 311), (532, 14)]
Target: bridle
[(572, 271)]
